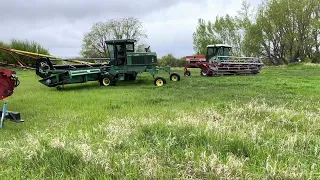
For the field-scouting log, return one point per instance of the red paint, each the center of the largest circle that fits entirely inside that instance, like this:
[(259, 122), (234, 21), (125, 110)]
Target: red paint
[(196, 58), (7, 82)]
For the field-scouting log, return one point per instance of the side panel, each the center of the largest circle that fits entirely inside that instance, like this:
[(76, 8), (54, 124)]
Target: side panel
[(141, 58), (129, 60)]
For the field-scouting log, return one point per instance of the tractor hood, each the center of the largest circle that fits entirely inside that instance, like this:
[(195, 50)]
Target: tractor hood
[(142, 58)]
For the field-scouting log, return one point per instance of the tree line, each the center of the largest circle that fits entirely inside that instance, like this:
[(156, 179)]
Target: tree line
[(279, 31), (23, 45)]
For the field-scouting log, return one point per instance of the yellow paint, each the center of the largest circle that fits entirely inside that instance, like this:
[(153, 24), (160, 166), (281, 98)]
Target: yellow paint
[(44, 55)]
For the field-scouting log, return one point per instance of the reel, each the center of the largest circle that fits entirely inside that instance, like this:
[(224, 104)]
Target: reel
[(43, 67)]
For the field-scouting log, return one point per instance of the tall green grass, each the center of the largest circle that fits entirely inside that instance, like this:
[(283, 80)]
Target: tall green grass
[(243, 127)]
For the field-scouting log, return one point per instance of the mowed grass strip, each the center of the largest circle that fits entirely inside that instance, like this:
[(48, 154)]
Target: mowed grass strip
[(262, 126)]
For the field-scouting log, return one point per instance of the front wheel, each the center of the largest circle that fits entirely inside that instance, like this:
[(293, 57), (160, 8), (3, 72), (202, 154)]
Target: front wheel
[(202, 73), (159, 81), (107, 80), (175, 77), (187, 73)]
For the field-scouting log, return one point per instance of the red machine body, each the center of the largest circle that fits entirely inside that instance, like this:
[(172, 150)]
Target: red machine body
[(193, 61), (218, 60), (8, 81)]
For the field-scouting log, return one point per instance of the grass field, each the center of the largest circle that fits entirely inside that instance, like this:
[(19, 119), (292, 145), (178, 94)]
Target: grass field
[(246, 127)]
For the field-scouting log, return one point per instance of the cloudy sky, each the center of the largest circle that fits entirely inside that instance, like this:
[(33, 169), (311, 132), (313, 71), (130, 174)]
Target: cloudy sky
[(59, 25)]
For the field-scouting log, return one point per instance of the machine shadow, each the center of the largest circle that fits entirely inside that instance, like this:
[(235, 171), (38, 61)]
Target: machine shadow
[(96, 85)]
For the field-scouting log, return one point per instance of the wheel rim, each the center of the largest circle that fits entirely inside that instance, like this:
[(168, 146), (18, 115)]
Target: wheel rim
[(174, 78), (203, 73), (159, 82), (106, 81)]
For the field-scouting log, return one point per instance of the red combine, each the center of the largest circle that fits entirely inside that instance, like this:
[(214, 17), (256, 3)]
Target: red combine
[(218, 61), (8, 82)]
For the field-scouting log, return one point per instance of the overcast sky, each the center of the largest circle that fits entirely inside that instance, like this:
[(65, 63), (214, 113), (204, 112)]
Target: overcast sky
[(59, 25)]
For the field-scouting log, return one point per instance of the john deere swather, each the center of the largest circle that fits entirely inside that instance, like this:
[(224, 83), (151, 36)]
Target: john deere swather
[(124, 64), (218, 61)]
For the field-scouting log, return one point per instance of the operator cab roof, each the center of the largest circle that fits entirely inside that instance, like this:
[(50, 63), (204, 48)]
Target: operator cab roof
[(219, 45), (121, 41)]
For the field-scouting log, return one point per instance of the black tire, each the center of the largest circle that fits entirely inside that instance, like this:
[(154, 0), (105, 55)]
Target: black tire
[(17, 82), (187, 73), (174, 77), (214, 74), (255, 72), (59, 88), (202, 73), (159, 81), (107, 80)]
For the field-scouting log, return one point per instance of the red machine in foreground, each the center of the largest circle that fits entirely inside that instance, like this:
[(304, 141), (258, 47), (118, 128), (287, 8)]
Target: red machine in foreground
[(218, 61), (8, 82)]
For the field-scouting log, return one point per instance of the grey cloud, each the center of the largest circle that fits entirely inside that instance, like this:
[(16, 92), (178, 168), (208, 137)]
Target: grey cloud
[(59, 25), (38, 10)]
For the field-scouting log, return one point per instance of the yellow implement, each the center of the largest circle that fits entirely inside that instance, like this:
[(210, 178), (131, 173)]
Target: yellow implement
[(44, 55)]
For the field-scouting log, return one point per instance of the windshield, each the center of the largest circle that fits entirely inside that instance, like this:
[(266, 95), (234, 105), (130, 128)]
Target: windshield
[(223, 51), (226, 51), (212, 51)]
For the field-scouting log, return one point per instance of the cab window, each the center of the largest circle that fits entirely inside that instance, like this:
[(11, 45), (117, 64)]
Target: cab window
[(210, 51), (130, 47), (226, 51), (110, 50)]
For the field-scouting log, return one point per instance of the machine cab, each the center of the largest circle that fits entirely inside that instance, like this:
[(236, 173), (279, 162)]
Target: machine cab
[(118, 49), (213, 51)]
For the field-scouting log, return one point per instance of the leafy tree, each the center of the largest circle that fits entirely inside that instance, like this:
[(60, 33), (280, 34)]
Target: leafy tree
[(228, 32), (141, 47), (223, 30), (204, 36), (281, 31), (244, 20), (125, 28), (245, 15), (181, 62), (285, 31), (3, 53), (166, 60), (170, 60), (251, 43)]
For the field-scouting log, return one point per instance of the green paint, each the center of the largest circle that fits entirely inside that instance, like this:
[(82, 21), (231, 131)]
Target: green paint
[(124, 64)]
